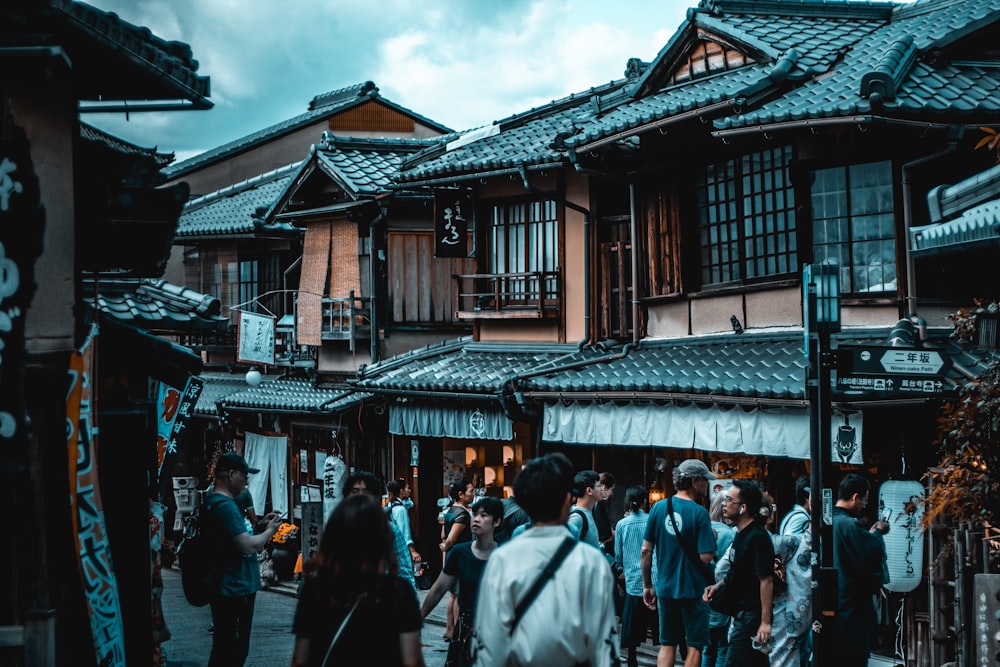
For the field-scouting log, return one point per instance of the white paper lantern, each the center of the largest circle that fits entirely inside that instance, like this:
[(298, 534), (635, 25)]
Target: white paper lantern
[(904, 543)]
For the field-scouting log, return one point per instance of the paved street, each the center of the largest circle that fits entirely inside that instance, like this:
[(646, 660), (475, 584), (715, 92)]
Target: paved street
[(271, 641)]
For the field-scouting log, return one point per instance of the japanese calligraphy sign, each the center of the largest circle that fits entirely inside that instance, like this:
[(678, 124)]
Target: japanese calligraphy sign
[(452, 210), (256, 340)]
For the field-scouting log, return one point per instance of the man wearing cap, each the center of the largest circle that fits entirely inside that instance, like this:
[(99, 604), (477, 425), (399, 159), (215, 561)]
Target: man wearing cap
[(236, 549), (679, 535)]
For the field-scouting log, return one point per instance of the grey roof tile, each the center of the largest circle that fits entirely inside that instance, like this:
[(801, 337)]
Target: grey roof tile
[(235, 208), (768, 366), (155, 305), (322, 106), (281, 394)]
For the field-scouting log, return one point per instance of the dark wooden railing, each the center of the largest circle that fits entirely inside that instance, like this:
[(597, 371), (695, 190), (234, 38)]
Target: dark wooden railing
[(508, 295)]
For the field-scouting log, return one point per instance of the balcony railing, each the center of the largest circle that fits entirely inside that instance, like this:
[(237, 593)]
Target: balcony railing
[(532, 294), (346, 318)]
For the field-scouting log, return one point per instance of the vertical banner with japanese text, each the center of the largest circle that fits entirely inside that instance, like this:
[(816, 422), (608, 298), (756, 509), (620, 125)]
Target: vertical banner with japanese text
[(100, 586), (452, 209), (174, 410)]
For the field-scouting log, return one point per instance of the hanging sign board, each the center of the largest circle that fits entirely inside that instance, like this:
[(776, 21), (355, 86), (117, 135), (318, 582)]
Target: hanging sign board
[(452, 209), (256, 340)]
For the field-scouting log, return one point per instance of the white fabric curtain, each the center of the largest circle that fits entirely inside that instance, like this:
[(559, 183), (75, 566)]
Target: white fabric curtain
[(269, 453), (780, 432)]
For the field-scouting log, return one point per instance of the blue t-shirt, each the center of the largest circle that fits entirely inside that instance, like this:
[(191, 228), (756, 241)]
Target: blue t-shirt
[(240, 572), (678, 577)]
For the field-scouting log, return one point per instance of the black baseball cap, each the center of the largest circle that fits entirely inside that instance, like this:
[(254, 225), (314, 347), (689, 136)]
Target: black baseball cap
[(233, 461)]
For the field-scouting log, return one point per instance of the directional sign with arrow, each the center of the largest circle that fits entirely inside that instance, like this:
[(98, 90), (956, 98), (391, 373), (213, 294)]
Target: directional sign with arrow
[(882, 370)]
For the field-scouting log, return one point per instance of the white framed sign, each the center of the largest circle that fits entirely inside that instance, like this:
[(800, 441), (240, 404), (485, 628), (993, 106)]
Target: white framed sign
[(256, 338)]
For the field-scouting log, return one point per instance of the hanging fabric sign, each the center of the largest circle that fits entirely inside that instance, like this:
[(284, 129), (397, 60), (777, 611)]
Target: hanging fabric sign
[(846, 438), (256, 339), (904, 543), (451, 223)]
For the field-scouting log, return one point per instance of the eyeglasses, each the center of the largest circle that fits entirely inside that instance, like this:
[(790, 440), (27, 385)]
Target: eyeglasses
[(729, 501)]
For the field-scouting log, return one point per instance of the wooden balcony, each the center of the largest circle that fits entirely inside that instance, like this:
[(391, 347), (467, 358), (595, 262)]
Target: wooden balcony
[(529, 295), (346, 318)]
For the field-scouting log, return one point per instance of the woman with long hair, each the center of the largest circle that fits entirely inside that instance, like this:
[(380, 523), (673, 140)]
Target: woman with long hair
[(354, 608)]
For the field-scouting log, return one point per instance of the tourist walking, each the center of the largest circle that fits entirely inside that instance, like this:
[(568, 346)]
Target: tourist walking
[(587, 489), (637, 619), (464, 566), (679, 536), (748, 583), (354, 608), (718, 623), (568, 619), (455, 530)]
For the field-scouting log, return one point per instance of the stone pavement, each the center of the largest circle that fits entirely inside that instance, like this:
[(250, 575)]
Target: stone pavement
[(271, 640)]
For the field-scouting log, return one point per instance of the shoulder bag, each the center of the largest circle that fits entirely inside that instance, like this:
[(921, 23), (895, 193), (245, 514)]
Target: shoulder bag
[(543, 578), (700, 565), (340, 630)]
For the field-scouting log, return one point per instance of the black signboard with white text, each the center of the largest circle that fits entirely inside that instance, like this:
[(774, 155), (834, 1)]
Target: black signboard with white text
[(452, 211), (884, 371)]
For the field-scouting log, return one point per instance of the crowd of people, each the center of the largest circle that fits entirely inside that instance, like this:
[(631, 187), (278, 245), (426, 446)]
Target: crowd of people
[(548, 576)]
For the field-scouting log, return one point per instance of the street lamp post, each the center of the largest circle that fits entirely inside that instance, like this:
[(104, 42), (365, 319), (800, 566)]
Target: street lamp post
[(821, 317)]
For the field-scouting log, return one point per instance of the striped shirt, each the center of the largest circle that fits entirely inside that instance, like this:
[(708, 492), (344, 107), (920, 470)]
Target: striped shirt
[(629, 534)]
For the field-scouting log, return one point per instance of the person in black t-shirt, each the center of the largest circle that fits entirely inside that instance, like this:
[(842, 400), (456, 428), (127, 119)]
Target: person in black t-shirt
[(750, 577)]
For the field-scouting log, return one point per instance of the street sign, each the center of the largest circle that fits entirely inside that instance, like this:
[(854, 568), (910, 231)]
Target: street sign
[(913, 362), (881, 370)]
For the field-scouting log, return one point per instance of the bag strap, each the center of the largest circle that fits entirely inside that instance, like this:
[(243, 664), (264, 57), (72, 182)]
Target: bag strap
[(699, 564), (543, 578), (336, 635), (584, 524)]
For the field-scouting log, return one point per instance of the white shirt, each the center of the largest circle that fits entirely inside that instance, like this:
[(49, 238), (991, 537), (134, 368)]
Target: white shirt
[(571, 621)]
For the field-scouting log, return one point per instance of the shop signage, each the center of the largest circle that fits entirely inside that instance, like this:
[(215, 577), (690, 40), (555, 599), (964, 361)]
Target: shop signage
[(451, 223)]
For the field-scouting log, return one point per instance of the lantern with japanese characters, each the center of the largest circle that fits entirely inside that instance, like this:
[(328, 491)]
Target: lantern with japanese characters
[(899, 503)]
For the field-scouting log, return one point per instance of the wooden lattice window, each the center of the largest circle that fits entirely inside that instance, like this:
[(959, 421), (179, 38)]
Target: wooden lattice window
[(707, 57)]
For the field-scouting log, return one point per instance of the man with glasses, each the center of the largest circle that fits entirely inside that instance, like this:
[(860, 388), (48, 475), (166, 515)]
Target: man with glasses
[(678, 532), (858, 556), (237, 569), (750, 579)]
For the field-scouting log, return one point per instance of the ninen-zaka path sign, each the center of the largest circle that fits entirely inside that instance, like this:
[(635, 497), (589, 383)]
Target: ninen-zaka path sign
[(882, 370)]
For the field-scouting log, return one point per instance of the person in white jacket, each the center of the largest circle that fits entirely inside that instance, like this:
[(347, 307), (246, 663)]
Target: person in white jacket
[(572, 619)]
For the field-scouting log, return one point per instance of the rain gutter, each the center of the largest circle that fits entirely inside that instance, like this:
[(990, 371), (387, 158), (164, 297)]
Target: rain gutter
[(701, 113), (446, 181), (824, 122), (955, 133)]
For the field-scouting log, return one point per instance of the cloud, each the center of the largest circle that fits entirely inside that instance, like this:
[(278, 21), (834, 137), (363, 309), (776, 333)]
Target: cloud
[(458, 62)]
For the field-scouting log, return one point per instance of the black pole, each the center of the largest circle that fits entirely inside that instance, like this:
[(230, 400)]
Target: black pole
[(814, 395)]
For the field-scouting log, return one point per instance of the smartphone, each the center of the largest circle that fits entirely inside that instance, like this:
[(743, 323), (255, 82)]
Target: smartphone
[(886, 513)]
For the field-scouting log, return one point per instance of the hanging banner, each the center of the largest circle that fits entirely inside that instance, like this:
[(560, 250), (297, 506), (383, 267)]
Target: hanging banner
[(845, 437), (173, 413), (452, 209), (22, 226), (256, 339), (100, 586)]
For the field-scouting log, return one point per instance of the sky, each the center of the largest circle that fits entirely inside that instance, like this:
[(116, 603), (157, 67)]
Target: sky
[(462, 63)]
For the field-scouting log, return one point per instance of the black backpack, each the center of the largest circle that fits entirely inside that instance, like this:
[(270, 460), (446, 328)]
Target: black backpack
[(583, 520), (197, 559)]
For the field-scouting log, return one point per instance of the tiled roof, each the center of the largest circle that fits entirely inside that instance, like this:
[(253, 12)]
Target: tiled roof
[(458, 366), (808, 61), (321, 107), (236, 209), (893, 70), (155, 305), (281, 394), (533, 138), (91, 133), (964, 214), (765, 366), (147, 67), (362, 169)]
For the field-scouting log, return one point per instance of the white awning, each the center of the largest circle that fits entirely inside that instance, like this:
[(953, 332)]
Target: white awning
[(781, 432), (473, 423)]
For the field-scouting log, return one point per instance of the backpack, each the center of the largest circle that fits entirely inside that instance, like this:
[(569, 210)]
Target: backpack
[(585, 525), (196, 556)]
